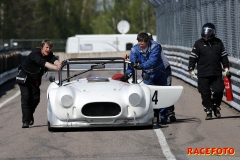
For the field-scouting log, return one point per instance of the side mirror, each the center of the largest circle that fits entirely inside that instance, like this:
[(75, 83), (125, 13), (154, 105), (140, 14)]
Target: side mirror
[(52, 79)]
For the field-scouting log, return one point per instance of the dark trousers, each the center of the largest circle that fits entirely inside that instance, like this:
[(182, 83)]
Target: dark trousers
[(168, 110), (30, 97), (211, 89)]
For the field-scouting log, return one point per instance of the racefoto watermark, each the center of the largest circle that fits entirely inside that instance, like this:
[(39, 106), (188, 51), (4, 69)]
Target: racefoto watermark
[(211, 151)]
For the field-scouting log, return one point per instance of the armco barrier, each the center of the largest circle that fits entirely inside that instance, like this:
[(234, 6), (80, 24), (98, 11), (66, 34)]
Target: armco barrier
[(4, 77), (178, 57), (9, 63)]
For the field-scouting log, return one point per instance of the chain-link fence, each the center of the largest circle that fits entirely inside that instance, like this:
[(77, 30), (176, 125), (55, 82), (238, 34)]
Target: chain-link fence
[(179, 22)]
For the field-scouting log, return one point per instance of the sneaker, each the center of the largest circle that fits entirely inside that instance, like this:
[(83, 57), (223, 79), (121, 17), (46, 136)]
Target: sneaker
[(209, 115), (172, 118), (25, 125), (216, 112)]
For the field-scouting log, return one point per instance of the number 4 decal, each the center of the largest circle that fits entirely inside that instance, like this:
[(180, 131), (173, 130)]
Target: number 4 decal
[(155, 97)]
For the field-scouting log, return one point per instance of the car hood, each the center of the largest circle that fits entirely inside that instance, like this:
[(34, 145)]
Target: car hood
[(97, 84)]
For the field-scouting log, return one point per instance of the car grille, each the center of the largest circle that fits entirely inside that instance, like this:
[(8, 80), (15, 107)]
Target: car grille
[(101, 109)]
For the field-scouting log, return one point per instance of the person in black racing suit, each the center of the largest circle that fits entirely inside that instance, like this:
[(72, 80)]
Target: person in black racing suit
[(34, 66), (210, 55)]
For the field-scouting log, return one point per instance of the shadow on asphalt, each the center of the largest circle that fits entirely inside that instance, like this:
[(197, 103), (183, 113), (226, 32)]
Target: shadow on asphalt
[(155, 126), (97, 129), (38, 126), (186, 120), (227, 117)]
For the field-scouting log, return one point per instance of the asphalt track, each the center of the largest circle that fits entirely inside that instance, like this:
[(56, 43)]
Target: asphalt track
[(170, 141)]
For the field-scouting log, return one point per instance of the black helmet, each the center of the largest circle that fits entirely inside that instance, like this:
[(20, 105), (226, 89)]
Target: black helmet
[(208, 31)]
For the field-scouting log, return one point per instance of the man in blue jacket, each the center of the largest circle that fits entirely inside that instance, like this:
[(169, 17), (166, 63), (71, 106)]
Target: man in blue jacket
[(146, 55), (167, 112)]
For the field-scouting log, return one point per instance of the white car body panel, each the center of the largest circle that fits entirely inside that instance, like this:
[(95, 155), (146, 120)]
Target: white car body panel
[(104, 102), (85, 92), (167, 95)]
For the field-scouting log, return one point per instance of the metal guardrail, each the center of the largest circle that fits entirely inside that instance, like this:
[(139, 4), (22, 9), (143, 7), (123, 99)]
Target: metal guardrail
[(178, 57), (9, 62)]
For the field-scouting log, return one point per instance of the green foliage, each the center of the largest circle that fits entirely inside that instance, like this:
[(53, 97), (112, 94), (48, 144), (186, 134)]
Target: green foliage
[(59, 19)]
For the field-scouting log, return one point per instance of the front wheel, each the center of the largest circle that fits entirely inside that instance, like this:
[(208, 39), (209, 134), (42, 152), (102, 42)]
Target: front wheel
[(50, 129)]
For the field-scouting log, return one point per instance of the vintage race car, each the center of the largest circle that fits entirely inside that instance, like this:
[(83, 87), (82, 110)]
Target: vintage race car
[(103, 101)]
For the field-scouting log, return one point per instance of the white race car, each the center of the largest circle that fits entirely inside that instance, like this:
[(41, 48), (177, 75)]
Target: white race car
[(103, 101)]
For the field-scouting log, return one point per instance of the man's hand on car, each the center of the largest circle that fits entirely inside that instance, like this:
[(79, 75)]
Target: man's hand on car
[(125, 78), (135, 65)]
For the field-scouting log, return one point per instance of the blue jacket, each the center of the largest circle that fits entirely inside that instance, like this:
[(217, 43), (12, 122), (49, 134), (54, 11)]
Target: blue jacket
[(150, 62)]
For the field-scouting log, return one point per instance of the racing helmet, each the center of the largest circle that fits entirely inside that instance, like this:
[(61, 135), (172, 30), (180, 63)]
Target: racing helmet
[(208, 31)]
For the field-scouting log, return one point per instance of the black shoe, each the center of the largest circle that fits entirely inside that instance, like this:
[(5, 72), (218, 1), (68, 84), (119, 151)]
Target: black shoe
[(172, 118), (31, 122), (216, 112), (163, 119), (209, 114), (25, 125)]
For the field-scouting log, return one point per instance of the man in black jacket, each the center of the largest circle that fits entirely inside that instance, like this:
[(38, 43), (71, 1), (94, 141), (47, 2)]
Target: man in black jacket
[(34, 66), (210, 55)]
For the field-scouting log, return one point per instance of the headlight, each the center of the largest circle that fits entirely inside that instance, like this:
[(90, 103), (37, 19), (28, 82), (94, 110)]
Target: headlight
[(65, 97), (67, 101), (134, 99), (135, 94)]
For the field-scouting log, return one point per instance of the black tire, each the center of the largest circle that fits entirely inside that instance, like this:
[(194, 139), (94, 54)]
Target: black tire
[(50, 129)]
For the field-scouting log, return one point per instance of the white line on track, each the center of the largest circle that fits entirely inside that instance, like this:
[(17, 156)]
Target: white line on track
[(163, 143), (9, 99)]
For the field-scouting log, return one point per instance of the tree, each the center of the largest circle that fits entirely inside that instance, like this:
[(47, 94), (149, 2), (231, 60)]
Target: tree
[(142, 16), (54, 19)]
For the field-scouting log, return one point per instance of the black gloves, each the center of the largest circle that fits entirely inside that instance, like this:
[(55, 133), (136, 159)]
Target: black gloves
[(125, 78), (135, 65)]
